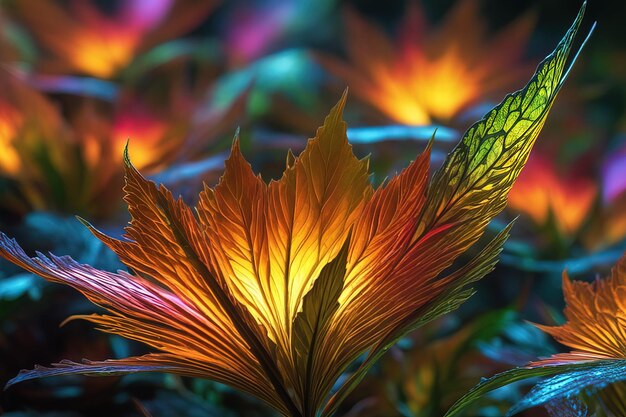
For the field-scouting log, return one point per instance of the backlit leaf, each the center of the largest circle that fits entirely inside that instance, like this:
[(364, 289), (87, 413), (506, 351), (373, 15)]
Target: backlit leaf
[(520, 374), (277, 288)]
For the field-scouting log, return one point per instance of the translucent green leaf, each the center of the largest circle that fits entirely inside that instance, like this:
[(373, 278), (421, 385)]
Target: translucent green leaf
[(473, 183)]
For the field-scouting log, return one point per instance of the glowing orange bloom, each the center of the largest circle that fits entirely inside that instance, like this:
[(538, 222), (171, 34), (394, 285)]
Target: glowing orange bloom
[(27, 123), (150, 129), (543, 193), (158, 138), (276, 288), (427, 73), (596, 319), (10, 119), (89, 41), (24, 114), (71, 165)]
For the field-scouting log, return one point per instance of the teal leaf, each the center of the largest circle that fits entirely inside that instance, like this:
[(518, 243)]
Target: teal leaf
[(572, 382), (565, 381)]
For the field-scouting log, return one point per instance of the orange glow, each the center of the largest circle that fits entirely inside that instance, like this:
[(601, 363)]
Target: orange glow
[(86, 40), (596, 319), (94, 55), (145, 135), (443, 87), (428, 74), (10, 120), (83, 150), (540, 192)]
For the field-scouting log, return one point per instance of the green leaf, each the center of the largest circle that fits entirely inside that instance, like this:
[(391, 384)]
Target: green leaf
[(473, 183), (567, 380)]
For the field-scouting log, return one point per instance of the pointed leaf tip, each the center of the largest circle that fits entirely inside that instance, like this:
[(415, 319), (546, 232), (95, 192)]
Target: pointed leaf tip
[(84, 222), (341, 104), (235, 146), (126, 156), (291, 159)]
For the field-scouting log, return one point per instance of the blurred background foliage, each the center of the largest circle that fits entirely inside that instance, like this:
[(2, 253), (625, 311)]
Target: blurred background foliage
[(175, 78)]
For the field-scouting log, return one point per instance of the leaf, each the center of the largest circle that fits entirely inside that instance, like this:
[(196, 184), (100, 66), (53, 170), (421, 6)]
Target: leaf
[(188, 238), (433, 369), (462, 198), (139, 309), (475, 179), (251, 288), (447, 302), (314, 204), (570, 379), (594, 313), (566, 384), (319, 304), (196, 319), (270, 242), (111, 367), (567, 407), (318, 307)]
